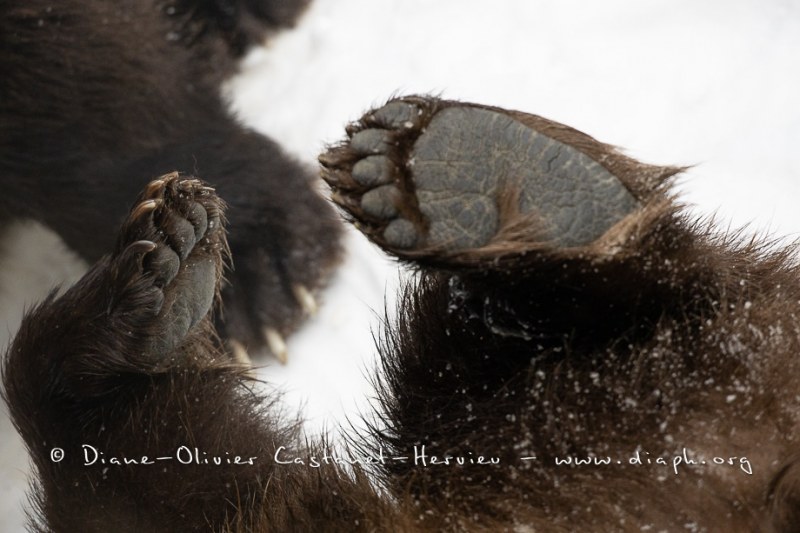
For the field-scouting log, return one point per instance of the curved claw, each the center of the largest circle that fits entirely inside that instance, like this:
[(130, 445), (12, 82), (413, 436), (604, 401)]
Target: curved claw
[(305, 299), (276, 344), (155, 187), (145, 207), (239, 352)]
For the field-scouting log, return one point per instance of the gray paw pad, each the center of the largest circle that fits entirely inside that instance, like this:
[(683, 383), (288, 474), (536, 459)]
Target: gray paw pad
[(398, 115), (182, 235), (459, 220), (381, 202), (198, 217), (468, 157), (163, 263), (371, 141), (374, 170), (188, 310), (401, 233)]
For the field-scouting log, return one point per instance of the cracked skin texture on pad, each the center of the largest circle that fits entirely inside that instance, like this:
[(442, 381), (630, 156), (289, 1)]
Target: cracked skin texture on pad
[(460, 164)]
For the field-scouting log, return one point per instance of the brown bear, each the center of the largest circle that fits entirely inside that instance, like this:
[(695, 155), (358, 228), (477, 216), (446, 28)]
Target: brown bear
[(574, 353)]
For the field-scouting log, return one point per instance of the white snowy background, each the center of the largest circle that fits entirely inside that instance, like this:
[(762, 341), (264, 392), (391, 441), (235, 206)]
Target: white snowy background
[(710, 83)]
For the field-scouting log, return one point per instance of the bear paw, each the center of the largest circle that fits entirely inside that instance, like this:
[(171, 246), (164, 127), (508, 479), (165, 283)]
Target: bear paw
[(424, 176), (168, 262)]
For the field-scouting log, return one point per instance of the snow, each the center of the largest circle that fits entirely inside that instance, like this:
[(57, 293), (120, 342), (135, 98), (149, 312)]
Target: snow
[(712, 84)]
